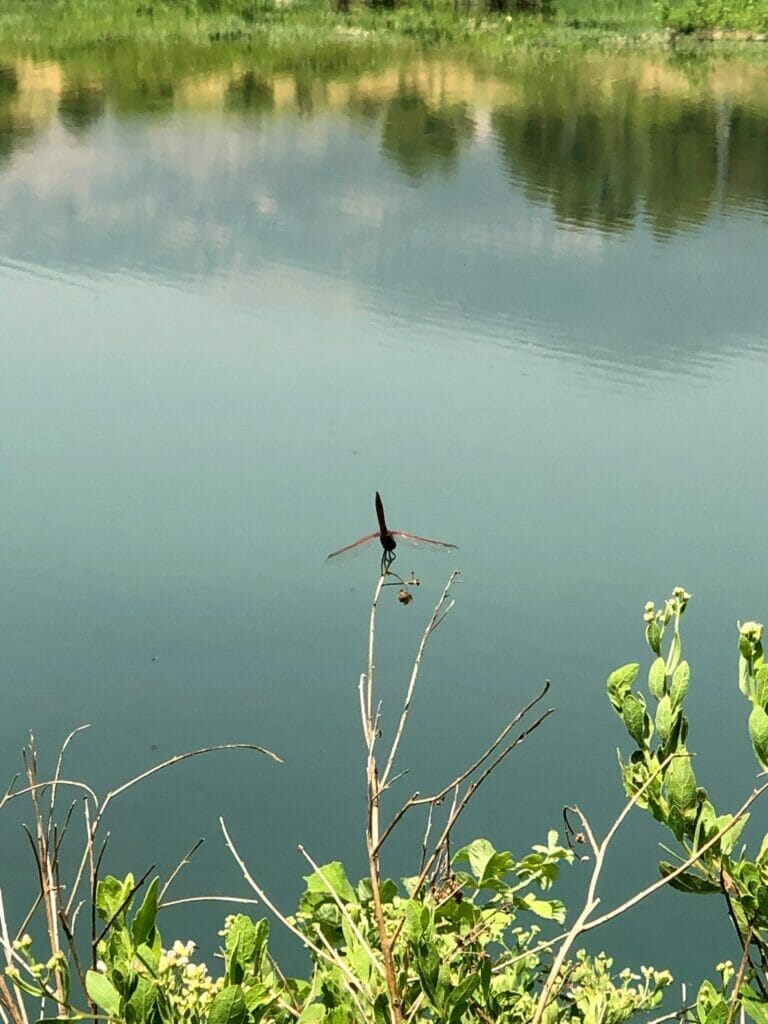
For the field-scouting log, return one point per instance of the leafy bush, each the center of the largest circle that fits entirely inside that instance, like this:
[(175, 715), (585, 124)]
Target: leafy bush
[(472, 938)]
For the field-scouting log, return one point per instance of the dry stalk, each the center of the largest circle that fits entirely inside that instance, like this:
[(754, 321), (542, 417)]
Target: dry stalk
[(373, 827), (441, 610), (46, 858), (11, 999), (46, 839), (244, 900), (461, 805), (739, 978), (377, 785), (432, 801), (175, 873)]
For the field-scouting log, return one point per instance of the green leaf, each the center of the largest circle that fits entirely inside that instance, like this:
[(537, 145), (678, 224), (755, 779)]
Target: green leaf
[(101, 990), (312, 1014), (620, 683), (758, 733), (675, 649), (336, 877), (488, 867), (707, 1001), (142, 1002), (549, 910), (261, 997), (757, 1009), (149, 955), (417, 920), (653, 636), (743, 674), (426, 960), (485, 977), (664, 719), (676, 823), (680, 680), (478, 854), (244, 947), (761, 689), (687, 882), (634, 716), (657, 677), (144, 919), (228, 1007), (731, 837), (458, 996), (234, 970), (110, 895), (681, 783)]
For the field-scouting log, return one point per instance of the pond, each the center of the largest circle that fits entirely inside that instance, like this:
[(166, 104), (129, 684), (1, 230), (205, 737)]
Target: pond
[(528, 306)]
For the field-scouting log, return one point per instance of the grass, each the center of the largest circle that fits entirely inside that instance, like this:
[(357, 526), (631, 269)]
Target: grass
[(56, 27), (328, 35)]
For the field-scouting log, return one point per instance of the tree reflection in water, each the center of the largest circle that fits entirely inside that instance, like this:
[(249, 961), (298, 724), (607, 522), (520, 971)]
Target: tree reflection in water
[(421, 138), (602, 141)]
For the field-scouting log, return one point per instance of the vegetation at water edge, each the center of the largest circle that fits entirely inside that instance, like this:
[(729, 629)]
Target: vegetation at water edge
[(471, 937), (492, 28)]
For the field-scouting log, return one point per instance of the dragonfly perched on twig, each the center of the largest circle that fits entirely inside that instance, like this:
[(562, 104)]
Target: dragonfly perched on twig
[(388, 539)]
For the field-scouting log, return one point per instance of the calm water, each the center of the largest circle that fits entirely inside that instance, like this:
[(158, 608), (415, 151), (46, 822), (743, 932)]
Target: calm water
[(530, 309)]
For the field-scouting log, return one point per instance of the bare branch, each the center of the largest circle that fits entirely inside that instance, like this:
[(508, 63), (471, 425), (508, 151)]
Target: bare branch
[(437, 616), (693, 859), (177, 759), (173, 875), (260, 892), (57, 772), (70, 936), (40, 786), (207, 899), (739, 979), (490, 750), (410, 802), (371, 665)]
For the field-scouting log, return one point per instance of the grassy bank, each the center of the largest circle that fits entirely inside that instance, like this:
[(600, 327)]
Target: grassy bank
[(331, 31)]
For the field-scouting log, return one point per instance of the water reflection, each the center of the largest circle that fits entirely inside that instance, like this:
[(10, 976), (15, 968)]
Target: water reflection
[(602, 142), (522, 184), (250, 93), (422, 138), (81, 106)]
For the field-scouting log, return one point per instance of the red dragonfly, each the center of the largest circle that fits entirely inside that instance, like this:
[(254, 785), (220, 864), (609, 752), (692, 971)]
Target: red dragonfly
[(388, 539)]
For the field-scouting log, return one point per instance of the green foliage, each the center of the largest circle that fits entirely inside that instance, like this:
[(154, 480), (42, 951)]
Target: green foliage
[(469, 951), (687, 16), (660, 777)]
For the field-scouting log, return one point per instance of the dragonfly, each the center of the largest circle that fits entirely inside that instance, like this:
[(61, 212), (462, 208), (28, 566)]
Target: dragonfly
[(388, 540)]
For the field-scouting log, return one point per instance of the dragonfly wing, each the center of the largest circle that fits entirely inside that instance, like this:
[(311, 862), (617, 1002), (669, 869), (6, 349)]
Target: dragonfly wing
[(354, 548), (426, 542)]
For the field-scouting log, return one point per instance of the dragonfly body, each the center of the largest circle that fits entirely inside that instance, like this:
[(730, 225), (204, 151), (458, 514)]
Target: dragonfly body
[(386, 537), (388, 540)]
